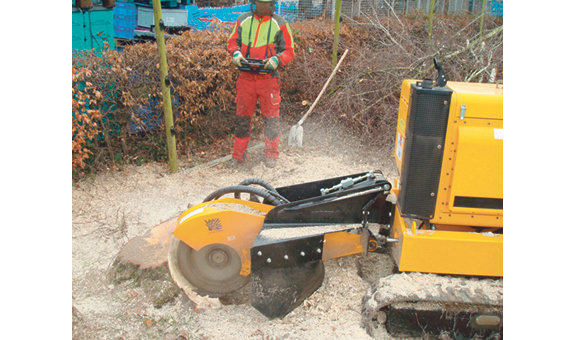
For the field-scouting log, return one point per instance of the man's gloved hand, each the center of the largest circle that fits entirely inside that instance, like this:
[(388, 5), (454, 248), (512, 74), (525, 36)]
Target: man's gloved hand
[(238, 57), (271, 63)]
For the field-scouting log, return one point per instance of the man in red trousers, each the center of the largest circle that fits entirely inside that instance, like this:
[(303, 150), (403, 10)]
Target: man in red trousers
[(259, 34)]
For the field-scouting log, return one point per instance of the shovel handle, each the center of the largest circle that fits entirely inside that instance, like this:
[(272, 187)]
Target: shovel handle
[(324, 87)]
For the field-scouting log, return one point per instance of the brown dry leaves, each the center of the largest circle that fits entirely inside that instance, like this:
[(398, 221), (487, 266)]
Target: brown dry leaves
[(84, 116), (363, 96)]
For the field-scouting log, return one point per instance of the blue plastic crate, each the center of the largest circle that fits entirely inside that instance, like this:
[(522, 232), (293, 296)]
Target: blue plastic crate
[(164, 3), (229, 17), (125, 19), (241, 8), (125, 8), (189, 7), (497, 8), (199, 25), (208, 12), (193, 12), (192, 9), (124, 32)]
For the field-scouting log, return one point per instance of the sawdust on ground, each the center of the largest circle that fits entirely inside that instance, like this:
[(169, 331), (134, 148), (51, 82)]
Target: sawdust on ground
[(111, 208)]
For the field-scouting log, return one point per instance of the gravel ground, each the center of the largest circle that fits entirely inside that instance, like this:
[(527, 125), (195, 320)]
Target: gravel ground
[(111, 208)]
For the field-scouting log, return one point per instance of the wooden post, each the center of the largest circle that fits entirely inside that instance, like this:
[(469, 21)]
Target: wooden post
[(482, 17), (166, 96), (431, 12), (336, 32)]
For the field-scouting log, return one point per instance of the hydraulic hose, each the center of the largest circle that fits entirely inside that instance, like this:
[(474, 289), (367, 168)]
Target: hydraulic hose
[(269, 187), (244, 188), (258, 181)]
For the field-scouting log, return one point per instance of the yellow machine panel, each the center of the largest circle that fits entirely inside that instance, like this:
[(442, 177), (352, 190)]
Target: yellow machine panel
[(402, 120), (470, 191), (447, 252), (471, 183)]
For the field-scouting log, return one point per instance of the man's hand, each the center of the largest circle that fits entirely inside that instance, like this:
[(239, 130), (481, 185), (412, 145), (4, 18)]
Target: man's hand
[(271, 63), (238, 57)]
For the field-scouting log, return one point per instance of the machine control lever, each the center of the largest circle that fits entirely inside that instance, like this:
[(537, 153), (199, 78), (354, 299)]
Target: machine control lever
[(441, 77)]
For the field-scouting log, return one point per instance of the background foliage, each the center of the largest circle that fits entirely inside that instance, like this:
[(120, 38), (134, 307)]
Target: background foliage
[(116, 96)]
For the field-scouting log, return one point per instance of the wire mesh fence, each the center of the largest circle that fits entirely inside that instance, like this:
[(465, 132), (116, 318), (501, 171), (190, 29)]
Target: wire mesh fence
[(310, 9)]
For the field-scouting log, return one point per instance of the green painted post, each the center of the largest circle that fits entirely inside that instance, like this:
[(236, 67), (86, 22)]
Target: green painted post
[(166, 96), (336, 32)]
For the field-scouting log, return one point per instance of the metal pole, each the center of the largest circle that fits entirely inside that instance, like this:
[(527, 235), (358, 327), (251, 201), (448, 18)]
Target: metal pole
[(165, 83), (336, 32)]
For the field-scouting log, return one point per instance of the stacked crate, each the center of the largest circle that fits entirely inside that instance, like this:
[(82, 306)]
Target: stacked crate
[(193, 15), (90, 28), (164, 3), (497, 8), (193, 12), (125, 20), (207, 15), (78, 34), (87, 4), (135, 18), (171, 17)]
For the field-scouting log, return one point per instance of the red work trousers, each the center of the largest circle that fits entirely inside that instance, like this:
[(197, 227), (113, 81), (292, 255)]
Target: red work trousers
[(250, 87)]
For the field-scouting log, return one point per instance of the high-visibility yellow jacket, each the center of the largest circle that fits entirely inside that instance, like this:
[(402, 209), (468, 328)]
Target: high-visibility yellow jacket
[(262, 37)]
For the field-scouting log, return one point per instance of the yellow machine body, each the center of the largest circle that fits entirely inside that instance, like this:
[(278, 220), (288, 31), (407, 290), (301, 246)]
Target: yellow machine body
[(443, 215), (206, 224), (464, 234), (449, 251)]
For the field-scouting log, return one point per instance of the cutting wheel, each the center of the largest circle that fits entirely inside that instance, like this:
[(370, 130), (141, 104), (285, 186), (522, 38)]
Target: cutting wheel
[(214, 269)]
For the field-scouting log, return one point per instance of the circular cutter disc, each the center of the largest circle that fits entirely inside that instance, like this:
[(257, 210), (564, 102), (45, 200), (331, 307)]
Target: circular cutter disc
[(214, 269)]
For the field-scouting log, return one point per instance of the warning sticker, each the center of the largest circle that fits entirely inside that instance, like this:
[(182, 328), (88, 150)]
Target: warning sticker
[(399, 146), (498, 133)]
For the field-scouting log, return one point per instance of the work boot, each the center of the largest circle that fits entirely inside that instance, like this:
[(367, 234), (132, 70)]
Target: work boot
[(271, 162), (233, 163)]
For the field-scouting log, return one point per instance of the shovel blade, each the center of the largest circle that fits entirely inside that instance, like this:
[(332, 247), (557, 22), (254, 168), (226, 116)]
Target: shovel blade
[(296, 136), (292, 136), (299, 136)]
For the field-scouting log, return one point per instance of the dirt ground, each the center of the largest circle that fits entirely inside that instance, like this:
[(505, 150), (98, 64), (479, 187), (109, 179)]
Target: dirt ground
[(111, 208)]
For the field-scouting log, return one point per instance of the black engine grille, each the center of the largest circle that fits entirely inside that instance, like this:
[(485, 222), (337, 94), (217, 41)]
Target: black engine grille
[(423, 154)]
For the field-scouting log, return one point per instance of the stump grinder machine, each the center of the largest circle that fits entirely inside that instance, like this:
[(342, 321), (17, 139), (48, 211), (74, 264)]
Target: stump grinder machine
[(441, 221)]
